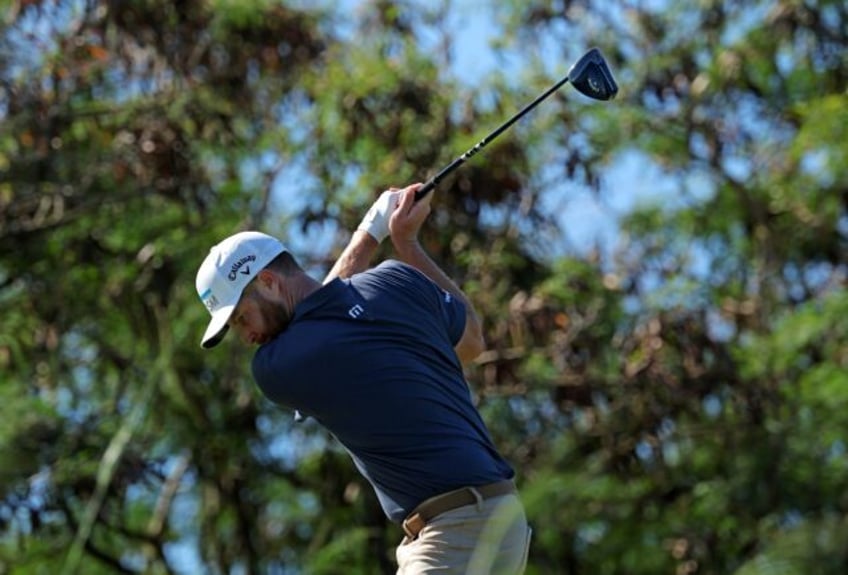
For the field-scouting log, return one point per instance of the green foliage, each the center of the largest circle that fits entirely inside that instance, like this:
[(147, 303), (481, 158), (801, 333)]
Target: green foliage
[(346, 549), (813, 546), (675, 403)]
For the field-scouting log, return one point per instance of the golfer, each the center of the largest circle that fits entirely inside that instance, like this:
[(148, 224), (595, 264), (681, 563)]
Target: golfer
[(375, 356)]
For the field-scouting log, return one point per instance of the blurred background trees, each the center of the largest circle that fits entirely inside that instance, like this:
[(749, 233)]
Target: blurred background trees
[(672, 389)]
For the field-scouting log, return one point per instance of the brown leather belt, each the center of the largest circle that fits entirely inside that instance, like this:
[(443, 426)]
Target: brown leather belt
[(426, 511)]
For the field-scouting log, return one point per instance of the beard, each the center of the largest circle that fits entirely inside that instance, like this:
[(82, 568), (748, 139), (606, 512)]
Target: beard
[(275, 315)]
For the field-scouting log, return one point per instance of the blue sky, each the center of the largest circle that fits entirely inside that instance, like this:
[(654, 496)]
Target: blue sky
[(588, 220)]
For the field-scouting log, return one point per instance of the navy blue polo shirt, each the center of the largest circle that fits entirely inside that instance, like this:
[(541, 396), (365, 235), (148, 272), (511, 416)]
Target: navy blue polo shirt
[(372, 359)]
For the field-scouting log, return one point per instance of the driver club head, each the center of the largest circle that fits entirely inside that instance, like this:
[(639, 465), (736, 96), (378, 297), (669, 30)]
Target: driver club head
[(591, 76)]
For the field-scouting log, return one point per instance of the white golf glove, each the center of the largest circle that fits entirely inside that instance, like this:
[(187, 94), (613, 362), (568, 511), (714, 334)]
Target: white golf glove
[(376, 220)]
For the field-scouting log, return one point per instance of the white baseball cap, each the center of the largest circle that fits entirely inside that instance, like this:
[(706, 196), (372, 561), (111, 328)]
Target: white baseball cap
[(224, 274)]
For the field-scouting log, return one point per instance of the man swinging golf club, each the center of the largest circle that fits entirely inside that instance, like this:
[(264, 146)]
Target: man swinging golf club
[(375, 356)]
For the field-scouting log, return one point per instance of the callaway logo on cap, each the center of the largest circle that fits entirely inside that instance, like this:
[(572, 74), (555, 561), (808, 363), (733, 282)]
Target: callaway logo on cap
[(224, 274)]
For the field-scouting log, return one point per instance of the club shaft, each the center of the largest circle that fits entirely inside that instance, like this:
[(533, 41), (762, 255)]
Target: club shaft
[(434, 181)]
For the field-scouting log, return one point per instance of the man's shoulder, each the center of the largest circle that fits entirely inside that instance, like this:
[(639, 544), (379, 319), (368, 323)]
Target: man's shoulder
[(392, 264), (386, 268), (390, 272)]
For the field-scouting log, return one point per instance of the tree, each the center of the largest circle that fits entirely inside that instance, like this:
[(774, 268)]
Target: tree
[(694, 447), (671, 404), (132, 138)]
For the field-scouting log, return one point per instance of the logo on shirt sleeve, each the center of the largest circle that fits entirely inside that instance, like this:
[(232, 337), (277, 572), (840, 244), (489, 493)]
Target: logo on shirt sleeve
[(356, 311)]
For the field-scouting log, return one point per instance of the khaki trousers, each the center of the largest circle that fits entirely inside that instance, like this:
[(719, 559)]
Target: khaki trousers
[(490, 537)]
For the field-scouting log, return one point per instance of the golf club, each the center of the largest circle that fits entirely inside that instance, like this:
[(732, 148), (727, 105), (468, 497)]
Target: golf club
[(590, 76)]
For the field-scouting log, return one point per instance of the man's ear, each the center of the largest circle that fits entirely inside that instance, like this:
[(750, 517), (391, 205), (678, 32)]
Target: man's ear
[(267, 282)]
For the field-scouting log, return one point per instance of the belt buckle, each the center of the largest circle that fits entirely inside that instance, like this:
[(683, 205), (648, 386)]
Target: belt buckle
[(413, 525)]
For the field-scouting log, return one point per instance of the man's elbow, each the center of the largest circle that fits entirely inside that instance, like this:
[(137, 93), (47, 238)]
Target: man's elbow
[(472, 345), (478, 344)]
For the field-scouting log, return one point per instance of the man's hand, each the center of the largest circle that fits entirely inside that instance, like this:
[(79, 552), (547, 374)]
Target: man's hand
[(407, 219), (376, 220)]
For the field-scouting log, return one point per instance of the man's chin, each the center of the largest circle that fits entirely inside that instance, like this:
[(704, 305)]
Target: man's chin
[(262, 340)]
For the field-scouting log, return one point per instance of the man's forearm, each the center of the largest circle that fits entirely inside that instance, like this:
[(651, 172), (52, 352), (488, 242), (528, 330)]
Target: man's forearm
[(373, 229), (355, 258), (405, 222), (413, 254)]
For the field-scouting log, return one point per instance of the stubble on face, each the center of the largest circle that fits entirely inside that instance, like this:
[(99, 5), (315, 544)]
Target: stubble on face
[(274, 314)]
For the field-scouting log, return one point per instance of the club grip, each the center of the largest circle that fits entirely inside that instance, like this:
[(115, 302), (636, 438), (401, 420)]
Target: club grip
[(428, 187)]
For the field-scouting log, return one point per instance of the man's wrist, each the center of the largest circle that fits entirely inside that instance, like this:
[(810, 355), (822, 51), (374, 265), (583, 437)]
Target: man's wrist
[(376, 220), (407, 249)]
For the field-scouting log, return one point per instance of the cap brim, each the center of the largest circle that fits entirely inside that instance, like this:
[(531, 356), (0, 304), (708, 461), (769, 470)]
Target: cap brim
[(217, 328)]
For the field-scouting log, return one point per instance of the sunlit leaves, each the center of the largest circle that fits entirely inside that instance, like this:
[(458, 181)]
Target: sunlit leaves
[(672, 403)]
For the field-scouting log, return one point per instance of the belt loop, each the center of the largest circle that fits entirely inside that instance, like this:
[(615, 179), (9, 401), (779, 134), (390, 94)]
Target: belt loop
[(478, 497), (413, 525)]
